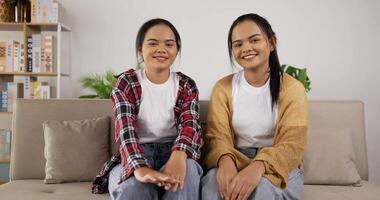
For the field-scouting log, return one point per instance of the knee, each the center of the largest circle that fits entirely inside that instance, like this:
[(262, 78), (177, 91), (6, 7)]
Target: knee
[(266, 190)]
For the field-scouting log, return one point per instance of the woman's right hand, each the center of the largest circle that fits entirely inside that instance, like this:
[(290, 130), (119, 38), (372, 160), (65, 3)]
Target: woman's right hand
[(148, 175), (226, 172)]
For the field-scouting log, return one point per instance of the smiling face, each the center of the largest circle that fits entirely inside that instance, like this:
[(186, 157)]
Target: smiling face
[(250, 46), (159, 48)]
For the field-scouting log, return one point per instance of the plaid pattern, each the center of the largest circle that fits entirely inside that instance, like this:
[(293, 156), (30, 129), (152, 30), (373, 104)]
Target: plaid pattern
[(126, 98)]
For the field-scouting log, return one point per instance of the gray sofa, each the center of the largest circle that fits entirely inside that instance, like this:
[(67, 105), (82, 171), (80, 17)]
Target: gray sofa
[(28, 162)]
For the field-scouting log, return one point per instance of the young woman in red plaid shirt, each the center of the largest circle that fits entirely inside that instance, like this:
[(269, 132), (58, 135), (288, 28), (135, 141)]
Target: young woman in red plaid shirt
[(156, 124)]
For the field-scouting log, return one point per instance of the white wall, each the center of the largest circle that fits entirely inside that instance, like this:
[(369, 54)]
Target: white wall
[(336, 40)]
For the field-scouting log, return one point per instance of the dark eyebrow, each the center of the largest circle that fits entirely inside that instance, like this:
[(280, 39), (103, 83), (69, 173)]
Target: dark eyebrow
[(250, 37), (155, 40)]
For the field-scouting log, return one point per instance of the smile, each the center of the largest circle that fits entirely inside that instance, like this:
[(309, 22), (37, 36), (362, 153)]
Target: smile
[(160, 58), (248, 57)]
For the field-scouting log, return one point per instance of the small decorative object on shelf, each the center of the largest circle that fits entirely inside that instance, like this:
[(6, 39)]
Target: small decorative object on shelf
[(14, 11), (6, 11), (22, 11), (46, 11)]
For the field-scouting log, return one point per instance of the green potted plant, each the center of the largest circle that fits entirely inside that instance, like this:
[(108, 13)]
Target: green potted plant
[(101, 84), (298, 73)]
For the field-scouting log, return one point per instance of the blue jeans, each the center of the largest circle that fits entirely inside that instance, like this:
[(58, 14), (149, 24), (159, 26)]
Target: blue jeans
[(157, 155), (265, 190)]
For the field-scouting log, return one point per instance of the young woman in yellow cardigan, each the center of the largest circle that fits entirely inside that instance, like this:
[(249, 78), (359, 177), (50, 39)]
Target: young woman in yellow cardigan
[(257, 122)]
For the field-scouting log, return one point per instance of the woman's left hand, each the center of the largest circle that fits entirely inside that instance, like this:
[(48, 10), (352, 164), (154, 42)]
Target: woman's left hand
[(243, 184), (176, 168)]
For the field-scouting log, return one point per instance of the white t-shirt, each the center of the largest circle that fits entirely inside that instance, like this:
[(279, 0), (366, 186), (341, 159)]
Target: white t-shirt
[(253, 118), (155, 120)]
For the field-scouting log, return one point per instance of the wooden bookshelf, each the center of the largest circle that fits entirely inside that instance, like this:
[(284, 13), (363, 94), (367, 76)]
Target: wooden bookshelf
[(44, 26), (31, 74), (61, 64)]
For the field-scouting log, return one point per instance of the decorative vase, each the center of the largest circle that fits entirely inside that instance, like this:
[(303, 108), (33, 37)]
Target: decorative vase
[(22, 11), (6, 13), (25, 11)]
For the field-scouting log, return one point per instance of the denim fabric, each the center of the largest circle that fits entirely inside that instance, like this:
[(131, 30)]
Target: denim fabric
[(265, 190), (157, 155)]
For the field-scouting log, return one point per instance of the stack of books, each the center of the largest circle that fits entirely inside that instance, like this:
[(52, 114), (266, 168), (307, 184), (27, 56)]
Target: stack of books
[(39, 54), (29, 89)]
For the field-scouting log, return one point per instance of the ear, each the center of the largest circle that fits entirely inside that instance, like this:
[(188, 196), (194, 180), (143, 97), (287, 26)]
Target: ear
[(273, 43), (140, 53)]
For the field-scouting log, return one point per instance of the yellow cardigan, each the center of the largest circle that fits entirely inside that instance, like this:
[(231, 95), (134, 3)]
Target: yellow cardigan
[(290, 134)]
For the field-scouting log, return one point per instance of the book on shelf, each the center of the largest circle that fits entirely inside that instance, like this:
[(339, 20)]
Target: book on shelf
[(10, 54), (39, 50), (40, 90), (21, 67), (46, 11), (29, 45), (31, 88), (36, 38), (1, 97), (5, 144), (47, 52), (3, 56), (28, 80), (4, 95), (16, 56), (15, 90)]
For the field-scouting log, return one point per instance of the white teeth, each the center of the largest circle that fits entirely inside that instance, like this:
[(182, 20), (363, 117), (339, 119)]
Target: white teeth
[(248, 57), (160, 58)]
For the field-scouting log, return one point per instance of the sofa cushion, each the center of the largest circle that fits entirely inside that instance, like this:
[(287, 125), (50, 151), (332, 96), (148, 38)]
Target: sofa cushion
[(75, 150), (37, 190), (368, 191), (330, 157)]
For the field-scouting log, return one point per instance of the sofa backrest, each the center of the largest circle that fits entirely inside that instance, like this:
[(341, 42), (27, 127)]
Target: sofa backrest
[(27, 148), (343, 114), (27, 154)]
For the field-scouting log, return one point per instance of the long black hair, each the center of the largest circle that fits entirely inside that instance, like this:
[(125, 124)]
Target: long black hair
[(274, 63), (149, 24)]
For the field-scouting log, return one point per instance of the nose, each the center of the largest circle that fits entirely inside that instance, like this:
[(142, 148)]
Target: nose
[(161, 48), (246, 47)]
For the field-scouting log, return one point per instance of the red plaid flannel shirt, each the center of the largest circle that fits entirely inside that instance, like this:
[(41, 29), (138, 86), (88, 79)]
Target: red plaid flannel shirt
[(126, 98)]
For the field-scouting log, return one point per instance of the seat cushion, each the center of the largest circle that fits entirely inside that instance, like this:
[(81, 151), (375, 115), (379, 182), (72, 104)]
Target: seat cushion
[(37, 190), (367, 191)]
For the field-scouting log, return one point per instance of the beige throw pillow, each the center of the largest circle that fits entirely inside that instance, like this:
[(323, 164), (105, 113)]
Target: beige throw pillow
[(330, 158), (75, 150)]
